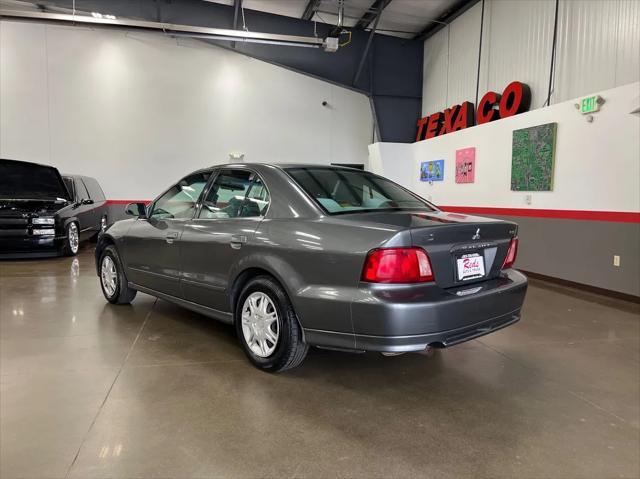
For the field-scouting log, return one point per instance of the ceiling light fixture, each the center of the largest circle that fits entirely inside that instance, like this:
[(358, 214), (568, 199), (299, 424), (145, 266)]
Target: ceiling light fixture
[(329, 44), (103, 15)]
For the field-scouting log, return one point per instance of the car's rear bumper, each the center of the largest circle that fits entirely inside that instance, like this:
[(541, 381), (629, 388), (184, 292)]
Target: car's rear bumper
[(409, 318), (442, 339)]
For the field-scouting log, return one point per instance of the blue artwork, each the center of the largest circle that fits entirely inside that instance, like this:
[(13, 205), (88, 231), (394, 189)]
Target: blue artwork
[(432, 170)]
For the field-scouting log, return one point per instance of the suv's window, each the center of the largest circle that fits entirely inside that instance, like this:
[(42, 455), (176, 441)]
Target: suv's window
[(68, 182), (95, 192), (181, 199), (81, 190), (342, 191), (235, 194)]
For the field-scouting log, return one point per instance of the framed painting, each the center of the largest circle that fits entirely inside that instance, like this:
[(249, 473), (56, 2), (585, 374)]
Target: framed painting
[(532, 158), (466, 165), (432, 170)]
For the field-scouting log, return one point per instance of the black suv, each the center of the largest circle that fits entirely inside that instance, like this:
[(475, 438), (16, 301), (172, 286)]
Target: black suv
[(43, 213)]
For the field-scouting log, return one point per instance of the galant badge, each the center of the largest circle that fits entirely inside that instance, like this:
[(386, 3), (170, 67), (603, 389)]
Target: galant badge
[(477, 235)]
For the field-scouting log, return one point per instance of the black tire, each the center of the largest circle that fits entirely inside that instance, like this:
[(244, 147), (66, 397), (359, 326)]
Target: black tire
[(120, 293), (72, 243), (290, 349)]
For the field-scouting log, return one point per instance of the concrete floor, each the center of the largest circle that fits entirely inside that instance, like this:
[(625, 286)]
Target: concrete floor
[(89, 390)]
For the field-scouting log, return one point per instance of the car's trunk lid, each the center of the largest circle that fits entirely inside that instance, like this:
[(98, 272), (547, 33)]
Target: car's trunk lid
[(464, 249), (447, 238)]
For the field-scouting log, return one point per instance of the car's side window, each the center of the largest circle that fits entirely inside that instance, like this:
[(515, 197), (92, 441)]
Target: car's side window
[(68, 182), (181, 199), (235, 194), (257, 201), (81, 190), (95, 192)]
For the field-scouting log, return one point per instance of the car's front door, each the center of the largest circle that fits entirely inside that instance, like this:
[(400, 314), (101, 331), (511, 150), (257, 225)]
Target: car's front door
[(151, 249), (211, 242), (83, 209), (99, 202)]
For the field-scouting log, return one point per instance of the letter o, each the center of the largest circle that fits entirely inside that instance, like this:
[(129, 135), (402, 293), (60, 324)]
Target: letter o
[(516, 98)]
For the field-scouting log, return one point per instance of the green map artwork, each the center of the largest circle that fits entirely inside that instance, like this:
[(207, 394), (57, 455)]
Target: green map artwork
[(533, 157)]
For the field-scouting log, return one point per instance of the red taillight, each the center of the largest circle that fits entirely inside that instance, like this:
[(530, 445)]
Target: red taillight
[(397, 265), (511, 254)]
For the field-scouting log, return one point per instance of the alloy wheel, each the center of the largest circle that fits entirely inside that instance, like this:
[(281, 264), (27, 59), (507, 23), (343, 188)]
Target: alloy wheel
[(74, 238), (260, 324), (109, 276)]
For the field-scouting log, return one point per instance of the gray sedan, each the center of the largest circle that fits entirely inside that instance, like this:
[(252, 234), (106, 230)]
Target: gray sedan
[(306, 255)]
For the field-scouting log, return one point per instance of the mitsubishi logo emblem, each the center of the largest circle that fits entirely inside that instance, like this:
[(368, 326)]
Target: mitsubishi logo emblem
[(477, 235)]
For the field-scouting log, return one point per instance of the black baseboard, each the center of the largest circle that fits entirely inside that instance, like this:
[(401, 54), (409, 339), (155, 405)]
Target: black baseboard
[(584, 287)]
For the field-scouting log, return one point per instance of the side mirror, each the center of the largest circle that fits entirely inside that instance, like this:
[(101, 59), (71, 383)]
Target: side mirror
[(86, 201), (136, 209)]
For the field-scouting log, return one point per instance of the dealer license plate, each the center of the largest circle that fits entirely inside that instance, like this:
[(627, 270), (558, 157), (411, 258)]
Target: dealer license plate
[(470, 266)]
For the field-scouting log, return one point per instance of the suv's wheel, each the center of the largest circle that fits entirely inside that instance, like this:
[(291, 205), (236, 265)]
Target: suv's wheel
[(72, 243), (112, 279), (267, 326)]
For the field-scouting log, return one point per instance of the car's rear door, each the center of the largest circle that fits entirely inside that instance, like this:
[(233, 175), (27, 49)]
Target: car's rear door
[(215, 239), (152, 244)]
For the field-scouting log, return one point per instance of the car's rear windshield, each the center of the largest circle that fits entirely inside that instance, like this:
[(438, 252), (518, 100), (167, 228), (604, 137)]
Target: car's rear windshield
[(339, 190)]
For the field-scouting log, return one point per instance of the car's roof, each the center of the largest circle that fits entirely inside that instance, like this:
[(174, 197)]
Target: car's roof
[(74, 175), (281, 166)]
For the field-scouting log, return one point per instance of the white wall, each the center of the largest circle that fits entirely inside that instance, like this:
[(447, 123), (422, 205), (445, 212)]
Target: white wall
[(598, 48), (390, 161), (597, 166), (138, 111)]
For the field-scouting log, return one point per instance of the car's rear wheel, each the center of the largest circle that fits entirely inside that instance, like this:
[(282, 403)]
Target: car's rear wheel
[(72, 243), (114, 283), (267, 326)]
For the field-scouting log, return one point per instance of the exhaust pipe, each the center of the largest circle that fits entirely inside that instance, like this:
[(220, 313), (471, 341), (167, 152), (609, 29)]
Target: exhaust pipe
[(428, 351)]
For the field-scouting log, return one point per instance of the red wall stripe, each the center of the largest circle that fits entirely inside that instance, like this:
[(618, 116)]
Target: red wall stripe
[(613, 216), (585, 215), (126, 202)]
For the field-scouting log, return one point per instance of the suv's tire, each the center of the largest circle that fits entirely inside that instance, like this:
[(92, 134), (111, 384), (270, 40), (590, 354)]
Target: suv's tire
[(113, 282), (72, 243), (272, 345)]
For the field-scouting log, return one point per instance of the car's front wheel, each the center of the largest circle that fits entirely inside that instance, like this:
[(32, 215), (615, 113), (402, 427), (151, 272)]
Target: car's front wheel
[(115, 287), (267, 326), (72, 243)]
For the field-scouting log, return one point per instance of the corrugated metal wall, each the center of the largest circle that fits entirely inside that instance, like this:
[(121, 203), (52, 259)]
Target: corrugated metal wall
[(451, 63), (435, 72), (464, 64), (517, 43), (597, 47)]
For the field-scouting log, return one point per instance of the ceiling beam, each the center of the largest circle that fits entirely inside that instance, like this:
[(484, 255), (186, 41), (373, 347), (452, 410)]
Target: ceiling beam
[(366, 48), (370, 15), (310, 9), (445, 18), (237, 10)]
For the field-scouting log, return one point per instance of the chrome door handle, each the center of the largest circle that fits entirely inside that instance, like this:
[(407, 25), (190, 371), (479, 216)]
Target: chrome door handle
[(237, 241), (170, 237)]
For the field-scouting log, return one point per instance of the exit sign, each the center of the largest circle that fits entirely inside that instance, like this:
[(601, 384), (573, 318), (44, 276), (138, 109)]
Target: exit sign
[(590, 104)]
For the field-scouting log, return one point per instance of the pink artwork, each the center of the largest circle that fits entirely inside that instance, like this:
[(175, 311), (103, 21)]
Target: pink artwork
[(465, 165)]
